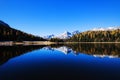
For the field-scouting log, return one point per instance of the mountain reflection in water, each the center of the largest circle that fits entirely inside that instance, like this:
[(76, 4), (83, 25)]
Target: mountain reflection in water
[(96, 50)]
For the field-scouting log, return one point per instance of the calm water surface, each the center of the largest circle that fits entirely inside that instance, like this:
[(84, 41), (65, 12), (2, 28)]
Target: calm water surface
[(65, 62)]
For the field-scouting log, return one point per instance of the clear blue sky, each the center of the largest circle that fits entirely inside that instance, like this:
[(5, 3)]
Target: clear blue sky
[(43, 17)]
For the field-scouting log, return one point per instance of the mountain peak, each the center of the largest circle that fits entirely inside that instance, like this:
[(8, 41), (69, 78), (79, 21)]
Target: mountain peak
[(66, 33)]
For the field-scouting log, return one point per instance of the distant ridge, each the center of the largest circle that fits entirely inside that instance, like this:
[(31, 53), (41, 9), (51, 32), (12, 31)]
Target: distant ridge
[(105, 29), (10, 34)]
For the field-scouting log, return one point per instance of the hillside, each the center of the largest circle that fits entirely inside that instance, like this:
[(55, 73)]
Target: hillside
[(9, 34), (97, 36)]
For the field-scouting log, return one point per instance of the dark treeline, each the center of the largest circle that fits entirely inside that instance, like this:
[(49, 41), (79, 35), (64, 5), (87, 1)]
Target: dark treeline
[(8, 52), (97, 36), (9, 34), (56, 40)]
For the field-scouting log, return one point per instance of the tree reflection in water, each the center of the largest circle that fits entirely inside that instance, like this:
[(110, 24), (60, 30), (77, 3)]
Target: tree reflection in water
[(101, 50), (7, 52)]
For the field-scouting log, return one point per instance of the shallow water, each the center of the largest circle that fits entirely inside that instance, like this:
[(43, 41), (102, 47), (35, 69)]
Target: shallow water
[(65, 62)]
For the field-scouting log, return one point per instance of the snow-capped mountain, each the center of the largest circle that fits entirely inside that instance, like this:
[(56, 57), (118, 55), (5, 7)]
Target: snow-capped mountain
[(105, 29), (49, 36), (64, 35)]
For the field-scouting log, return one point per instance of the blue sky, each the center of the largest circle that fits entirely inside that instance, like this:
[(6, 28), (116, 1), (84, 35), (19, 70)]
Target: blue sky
[(43, 17)]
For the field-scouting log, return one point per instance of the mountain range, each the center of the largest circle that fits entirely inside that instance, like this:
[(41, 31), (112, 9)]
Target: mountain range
[(64, 35), (67, 35)]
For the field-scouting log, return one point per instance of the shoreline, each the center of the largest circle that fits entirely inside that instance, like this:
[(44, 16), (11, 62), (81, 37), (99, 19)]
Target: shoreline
[(92, 42), (10, 43)]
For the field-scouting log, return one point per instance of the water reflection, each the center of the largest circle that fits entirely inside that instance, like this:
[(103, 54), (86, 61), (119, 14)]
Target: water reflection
[(8, 52), (96, 50), (49, 62)]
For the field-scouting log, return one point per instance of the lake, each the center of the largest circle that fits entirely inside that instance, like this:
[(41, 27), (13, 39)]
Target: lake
[(63, 62)]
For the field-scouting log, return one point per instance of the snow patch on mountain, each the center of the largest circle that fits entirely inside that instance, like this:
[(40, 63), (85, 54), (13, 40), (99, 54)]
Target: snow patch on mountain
[(105, 29)]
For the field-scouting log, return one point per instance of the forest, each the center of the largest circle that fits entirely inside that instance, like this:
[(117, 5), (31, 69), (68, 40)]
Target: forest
[(97, 36)]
